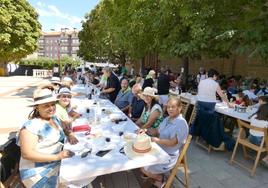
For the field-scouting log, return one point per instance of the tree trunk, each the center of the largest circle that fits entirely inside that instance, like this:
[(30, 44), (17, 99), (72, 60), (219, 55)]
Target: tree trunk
[(3, 69), (185, 70), (123, 59), (142, 66)]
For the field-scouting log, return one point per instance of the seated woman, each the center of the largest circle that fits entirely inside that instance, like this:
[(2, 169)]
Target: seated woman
[(41, 139), (172, 134), (260, 119), (152, 114), (64, 111)]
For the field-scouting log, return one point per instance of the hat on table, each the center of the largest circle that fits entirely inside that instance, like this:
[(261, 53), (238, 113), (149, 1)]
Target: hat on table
[(130, 153), (42, 96)]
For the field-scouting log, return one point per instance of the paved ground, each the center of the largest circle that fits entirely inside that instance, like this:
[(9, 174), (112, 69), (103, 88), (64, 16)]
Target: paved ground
[(206, 170), (15, 95)]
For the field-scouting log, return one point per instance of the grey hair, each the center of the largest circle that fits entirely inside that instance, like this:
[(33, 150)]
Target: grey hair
[(107, 69)]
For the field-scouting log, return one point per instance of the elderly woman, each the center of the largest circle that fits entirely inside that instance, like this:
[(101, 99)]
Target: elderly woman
[(152, 114), (41, 139), (171, 135), (65, 113)]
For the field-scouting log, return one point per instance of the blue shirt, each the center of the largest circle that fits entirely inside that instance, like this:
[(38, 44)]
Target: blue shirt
[(123, 98)]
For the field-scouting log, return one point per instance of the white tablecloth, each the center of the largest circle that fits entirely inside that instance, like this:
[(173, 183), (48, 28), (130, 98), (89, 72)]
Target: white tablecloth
[(221, 107), (77, 168)]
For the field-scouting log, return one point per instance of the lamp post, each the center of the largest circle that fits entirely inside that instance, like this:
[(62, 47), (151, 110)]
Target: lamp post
[(58, 45)]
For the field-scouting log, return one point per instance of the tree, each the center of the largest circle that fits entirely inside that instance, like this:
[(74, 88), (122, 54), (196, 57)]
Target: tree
[(19, 30)]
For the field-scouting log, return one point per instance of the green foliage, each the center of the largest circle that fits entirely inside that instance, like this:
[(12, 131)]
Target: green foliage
[(19, 30), (175, 28), (48, 63)]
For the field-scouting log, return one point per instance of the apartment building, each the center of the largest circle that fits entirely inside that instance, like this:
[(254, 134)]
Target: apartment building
[(54, 44)]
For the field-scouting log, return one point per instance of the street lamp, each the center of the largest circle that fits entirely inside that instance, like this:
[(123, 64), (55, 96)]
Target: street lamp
[(58, 45)]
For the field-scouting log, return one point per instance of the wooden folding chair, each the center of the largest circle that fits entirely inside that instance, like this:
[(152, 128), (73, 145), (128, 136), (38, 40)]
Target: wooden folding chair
[(193, 116), (241, 139), (181, 163), (185, 106)]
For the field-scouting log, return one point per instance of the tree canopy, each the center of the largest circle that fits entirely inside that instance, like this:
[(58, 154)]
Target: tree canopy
[(175, 28), (19, 30)]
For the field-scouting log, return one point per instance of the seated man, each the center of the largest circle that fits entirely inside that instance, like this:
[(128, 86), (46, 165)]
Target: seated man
[(137, 104), (124, 96)]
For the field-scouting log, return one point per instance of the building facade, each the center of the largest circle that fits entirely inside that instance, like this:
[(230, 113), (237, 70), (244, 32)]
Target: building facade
[(58, 44)]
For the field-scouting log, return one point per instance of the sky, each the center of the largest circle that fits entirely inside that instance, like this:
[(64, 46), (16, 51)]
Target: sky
[(57, 14)]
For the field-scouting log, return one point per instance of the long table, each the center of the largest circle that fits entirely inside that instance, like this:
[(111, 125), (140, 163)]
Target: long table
[(79, 169), (221, 107)]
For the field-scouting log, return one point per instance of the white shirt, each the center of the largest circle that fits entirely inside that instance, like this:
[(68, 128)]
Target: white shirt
[(250, 94), (257, 123), (207, 90)]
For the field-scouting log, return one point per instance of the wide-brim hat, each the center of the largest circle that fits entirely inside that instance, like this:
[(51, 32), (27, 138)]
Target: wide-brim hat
[(130, 153), (149, 91), (42, 96), (64, 91), (67, 79), (151, 72), (55, 80)]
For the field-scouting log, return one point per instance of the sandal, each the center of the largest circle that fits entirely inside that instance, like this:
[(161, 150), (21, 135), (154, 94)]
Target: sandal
[(160, 184)]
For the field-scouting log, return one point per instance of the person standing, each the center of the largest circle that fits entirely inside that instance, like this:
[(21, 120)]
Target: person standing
[(207, 89), (163, 87), (149, 80), (113, 85)]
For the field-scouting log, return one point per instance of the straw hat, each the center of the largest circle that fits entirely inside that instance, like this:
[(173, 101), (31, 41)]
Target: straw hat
[(64, 91), (67, 79), (42, 96), (130, 153), (150, 91), (55, 80), (151, 72)]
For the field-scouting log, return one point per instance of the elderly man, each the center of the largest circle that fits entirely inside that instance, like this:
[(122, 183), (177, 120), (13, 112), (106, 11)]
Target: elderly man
[(112, 86), (124, 97), (137, 103)]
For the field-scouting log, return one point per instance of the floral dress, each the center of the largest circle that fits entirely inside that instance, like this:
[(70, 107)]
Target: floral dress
[(146, 114), (42, 174)]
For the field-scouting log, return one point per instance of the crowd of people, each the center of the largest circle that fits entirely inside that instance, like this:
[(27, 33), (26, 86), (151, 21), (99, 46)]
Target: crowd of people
[(145, 101)]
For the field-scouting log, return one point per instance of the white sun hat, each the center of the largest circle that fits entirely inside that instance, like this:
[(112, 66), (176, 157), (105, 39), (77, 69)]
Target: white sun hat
[(67, 79), (149, 91), (42, 96), (65, 91), (151, 72), (55, 80)]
